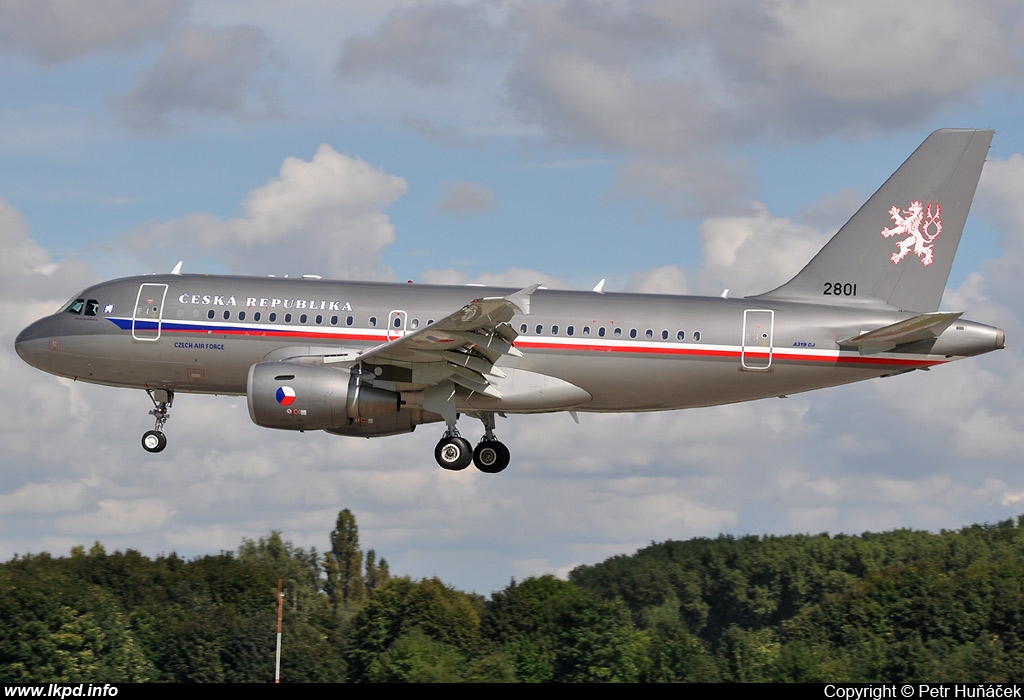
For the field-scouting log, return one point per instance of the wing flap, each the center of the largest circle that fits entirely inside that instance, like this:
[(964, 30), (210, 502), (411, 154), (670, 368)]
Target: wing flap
[(462, 347)]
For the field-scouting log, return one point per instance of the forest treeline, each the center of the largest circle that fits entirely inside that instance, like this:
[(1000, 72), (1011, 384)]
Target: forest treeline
[(896, 606)]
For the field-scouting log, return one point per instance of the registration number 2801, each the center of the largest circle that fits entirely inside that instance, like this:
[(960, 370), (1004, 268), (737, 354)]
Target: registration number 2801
[(840, 289)]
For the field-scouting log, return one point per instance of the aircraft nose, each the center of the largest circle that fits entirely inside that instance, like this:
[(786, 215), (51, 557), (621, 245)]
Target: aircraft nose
[(33, 341)]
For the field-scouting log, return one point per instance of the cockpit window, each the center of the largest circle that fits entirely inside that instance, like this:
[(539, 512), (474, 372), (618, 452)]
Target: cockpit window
[(92, 307), (75, 307)]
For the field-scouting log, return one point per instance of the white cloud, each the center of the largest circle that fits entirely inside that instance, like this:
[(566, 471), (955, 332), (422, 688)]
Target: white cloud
[(52, 31), (855, 57), (27, 271), (328, 208), (667, 279), (756, 252), (424, 43), (114, 517), (204, 71), (467, 198)]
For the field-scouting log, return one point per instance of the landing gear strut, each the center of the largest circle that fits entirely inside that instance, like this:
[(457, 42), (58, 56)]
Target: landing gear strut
[(155, 440), (454, 452)]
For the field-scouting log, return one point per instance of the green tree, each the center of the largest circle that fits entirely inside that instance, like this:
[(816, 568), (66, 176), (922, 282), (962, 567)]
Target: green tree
[(441, 614), (343, 565), (377, 574), (552, 630)]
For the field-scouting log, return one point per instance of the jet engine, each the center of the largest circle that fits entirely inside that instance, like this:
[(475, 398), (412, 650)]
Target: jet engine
[(291, 396)]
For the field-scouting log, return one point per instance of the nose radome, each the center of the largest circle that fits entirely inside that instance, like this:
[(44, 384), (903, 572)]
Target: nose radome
[(32, 341)]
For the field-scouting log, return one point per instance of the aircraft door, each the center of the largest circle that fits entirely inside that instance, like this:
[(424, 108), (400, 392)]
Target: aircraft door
[(758, 327), (149, 311), (396, 324)]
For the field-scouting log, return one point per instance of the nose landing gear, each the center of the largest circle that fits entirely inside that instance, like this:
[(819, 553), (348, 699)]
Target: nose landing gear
[(155, 440)]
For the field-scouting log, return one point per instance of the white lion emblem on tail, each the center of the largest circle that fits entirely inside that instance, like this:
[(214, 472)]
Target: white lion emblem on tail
[(920, 226)]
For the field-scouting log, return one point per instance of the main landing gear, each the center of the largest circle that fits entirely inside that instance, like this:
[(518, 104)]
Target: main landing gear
[(155, 440), (454, 452)]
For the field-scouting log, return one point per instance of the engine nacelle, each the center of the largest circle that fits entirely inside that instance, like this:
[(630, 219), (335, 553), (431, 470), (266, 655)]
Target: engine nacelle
[(405, 421), (291, 396)]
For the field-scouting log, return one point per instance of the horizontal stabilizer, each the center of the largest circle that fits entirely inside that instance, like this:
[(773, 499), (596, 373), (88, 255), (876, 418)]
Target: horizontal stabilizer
[(912, 330)]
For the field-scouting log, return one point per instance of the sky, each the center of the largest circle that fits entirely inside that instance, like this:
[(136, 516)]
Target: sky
[(668, 147)]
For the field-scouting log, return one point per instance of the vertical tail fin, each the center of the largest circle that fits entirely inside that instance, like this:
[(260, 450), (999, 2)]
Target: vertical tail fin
[(898, 248)]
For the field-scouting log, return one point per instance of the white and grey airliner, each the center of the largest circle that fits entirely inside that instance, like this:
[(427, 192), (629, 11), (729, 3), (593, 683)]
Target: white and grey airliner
[(374, 359)]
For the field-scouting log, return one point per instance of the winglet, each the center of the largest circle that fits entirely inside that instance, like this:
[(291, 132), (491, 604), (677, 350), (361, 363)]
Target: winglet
[(521, 299), (600, 287), (177, 268)]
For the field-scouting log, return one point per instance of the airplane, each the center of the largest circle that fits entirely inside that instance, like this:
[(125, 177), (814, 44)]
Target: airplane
[(372, 359)]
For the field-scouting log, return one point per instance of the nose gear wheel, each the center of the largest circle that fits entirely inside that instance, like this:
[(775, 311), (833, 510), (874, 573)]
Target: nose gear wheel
[(154, 440)]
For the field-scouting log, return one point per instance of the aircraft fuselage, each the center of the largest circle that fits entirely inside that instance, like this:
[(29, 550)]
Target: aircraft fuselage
[(627, 352), (374, 359)]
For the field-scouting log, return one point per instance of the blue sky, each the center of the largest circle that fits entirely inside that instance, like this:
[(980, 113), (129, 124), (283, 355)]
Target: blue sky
[(668, 147)]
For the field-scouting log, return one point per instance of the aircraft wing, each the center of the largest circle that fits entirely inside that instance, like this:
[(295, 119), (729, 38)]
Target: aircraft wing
[(461, 347), (912, 330)]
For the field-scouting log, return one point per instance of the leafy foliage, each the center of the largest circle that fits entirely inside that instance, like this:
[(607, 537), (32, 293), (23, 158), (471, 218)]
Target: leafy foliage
[(903, 605)]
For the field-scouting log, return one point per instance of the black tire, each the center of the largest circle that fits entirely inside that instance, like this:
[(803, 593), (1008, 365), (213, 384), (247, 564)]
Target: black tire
[(154, 441), (491, 456), (453, 453)]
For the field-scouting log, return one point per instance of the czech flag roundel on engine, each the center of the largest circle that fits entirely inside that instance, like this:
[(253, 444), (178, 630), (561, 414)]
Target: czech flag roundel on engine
[(286, 396)]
